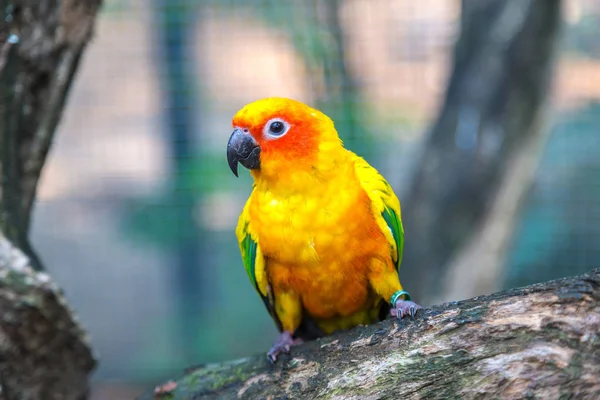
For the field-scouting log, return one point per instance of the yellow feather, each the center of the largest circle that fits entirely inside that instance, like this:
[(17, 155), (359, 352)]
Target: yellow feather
[(323, 248)]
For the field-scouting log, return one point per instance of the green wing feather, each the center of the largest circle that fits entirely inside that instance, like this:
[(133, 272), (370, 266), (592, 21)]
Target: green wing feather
[(248, 248), (395, 225), (386, 206), (252, 258)]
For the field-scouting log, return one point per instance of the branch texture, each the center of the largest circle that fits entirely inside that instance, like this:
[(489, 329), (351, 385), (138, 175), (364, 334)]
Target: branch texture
[(41, 43), (44, 353), (541, 341)]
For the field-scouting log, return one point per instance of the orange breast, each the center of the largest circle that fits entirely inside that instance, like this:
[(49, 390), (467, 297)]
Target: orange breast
[(326, 256)]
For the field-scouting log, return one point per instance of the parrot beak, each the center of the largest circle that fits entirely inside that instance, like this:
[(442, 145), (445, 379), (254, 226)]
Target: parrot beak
[(242, 148)]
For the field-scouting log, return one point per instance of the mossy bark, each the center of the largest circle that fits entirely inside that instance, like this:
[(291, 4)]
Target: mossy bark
[(44, 353), (541, 341), (41, 43)]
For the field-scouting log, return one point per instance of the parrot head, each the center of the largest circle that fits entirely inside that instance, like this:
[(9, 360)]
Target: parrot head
[(275, 135)]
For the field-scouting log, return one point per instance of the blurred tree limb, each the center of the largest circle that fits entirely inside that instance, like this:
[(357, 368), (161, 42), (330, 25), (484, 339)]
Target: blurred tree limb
[(41, 46), (539, 341), (480, 155), (43, 352)]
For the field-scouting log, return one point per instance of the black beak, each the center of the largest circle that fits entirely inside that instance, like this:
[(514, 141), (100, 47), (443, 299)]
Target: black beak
[(242, 148)]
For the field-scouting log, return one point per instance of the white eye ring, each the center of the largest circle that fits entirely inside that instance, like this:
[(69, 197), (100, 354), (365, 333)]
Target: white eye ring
[(275, 128)]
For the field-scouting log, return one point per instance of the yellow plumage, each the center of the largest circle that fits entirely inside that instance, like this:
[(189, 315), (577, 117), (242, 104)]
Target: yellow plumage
[(321, 234)]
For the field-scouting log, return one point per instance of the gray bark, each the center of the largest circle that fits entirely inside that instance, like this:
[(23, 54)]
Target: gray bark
[(47, 38), (540, 341), (44, 353)]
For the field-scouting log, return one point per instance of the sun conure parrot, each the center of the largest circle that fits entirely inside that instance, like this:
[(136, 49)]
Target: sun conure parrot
[(321, 235)]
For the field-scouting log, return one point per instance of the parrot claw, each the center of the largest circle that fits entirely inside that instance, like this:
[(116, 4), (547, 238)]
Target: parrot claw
[(405, 307), (282, 345)]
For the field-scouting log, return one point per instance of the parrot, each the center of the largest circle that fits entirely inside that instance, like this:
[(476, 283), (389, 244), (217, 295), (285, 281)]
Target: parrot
[(321, 233)]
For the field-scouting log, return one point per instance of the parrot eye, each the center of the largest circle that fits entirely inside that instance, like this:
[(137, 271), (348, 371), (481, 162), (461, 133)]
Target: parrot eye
[(276, 128)]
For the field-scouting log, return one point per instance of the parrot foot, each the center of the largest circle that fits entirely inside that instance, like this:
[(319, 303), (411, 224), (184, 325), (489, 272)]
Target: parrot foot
[(282, 345), (405, 307)]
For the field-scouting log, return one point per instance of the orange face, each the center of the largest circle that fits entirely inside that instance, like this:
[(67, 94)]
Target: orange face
[(282, 129)]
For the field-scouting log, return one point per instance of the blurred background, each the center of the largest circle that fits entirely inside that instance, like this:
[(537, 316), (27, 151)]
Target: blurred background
[(489, 137)]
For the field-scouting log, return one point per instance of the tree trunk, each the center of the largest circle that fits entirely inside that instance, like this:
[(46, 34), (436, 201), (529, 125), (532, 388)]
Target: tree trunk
[(540, 341), (466, 187), (44, 354)]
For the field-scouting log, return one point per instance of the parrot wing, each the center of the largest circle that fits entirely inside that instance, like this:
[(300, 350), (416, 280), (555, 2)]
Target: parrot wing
[(254, 262), (385, 205)]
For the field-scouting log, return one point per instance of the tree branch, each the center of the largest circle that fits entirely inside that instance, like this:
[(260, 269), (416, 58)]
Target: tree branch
[(541, 341), (44, 352), (36, 73)]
